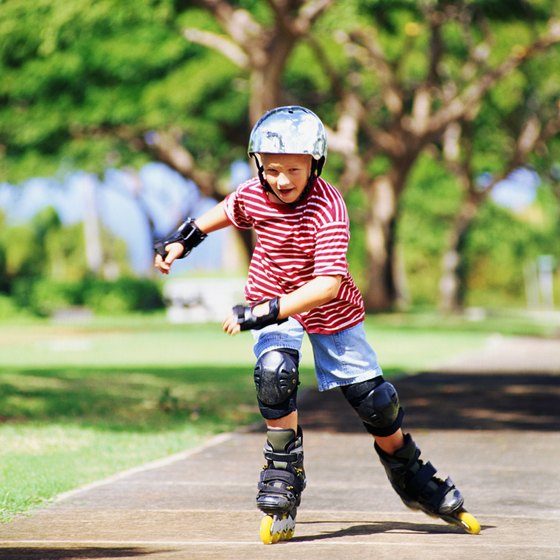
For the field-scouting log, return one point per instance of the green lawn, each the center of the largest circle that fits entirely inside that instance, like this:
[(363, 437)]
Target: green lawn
[(79, 402)]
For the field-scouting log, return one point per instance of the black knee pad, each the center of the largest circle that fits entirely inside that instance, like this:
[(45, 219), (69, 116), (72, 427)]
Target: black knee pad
[(276, 381), (377, 403)]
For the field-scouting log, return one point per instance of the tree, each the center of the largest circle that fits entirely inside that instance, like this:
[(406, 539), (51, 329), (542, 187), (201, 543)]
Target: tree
[(514, 128), (120, 82), (260, 50), (116, 83), (111, 84), (434, 64)]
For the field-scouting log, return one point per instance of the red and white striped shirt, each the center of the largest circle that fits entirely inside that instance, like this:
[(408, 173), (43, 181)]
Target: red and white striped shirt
[(294, 245)]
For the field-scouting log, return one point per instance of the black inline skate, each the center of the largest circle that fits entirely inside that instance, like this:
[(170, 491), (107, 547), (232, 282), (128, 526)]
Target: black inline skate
[(419, 489), (281, 483)]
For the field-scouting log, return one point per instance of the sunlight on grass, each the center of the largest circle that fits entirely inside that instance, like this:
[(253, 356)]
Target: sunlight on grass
[(39, 462), (79, 402)]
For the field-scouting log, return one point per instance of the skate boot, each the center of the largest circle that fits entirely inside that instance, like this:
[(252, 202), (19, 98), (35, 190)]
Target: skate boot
[(419, 489), (281, 483)]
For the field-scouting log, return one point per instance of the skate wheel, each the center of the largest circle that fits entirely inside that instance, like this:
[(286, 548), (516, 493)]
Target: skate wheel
[(276, 537), (469, 523), (266, 530)]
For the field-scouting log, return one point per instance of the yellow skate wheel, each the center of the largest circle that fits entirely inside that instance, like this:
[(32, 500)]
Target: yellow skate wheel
[(469, 523), (266, 530), (277, 537)]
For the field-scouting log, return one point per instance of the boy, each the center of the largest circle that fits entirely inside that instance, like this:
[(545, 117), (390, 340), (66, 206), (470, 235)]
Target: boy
[(298, 282)]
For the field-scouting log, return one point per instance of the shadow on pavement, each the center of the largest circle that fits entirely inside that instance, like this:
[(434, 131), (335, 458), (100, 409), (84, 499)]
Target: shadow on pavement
[(365, 528), (46, 553), (442, 401)]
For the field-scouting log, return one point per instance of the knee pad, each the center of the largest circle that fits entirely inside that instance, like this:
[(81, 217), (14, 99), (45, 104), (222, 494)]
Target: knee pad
[(377, 403), (276, 378)]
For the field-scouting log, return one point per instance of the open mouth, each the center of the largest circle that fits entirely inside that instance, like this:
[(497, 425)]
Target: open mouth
[(284, 192)]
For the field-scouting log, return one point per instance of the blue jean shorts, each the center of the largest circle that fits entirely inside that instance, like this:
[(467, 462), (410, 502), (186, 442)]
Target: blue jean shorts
[(341, 358)]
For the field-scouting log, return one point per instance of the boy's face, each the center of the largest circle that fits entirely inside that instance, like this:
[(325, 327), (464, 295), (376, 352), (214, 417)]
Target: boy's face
[(287, 174)]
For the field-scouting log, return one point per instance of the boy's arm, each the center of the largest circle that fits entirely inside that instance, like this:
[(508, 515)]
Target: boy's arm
[(213, 219), (172, 249), (316, 292)]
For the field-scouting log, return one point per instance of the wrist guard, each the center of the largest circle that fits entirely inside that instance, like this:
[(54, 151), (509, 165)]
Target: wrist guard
[(187, 234), (247, 320)]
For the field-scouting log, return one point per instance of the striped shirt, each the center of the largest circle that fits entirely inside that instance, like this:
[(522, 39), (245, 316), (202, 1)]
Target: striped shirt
[(295, 245)]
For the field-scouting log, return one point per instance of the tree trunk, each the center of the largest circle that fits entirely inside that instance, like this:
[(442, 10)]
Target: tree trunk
[(452, 286), (92, 229), (384, 289), (380, 292), (266, 76)]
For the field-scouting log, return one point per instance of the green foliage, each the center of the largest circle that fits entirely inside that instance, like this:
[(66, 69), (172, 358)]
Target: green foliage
[(45, 297), (357, 206), (101, 75), (8, 308), (43, 267), (427, 209), (499, 248), (88, 82), (500, 244), (122, 295)]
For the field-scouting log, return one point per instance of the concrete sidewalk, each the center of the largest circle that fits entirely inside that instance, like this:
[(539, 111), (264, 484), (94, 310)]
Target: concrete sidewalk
[(200, 504)]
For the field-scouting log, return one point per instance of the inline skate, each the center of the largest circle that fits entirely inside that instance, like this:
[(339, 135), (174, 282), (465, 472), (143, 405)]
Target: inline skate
[(282, 481), (419, 489)]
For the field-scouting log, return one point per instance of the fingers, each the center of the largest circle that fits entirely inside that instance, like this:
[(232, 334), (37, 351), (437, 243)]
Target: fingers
[(161, 265), (231, 326), (173, 250)]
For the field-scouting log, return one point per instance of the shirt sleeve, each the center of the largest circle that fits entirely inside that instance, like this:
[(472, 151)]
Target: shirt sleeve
[(330, 250), (235, 210)]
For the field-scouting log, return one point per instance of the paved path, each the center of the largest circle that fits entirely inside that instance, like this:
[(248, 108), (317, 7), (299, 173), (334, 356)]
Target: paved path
[(199, 504)]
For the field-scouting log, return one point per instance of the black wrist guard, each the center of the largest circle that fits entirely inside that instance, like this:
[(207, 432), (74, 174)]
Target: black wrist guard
[(247, 320), (188, 235)]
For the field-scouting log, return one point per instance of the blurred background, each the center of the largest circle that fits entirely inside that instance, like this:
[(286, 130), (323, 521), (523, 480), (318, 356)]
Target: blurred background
[(120, 118)]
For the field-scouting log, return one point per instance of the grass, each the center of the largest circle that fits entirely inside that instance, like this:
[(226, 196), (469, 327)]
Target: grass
[(79, 402)]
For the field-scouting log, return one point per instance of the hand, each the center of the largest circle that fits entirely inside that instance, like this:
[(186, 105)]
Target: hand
[(174, 251), (230, 325)]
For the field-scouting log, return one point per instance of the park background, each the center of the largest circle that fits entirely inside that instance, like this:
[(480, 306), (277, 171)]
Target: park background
[(118, 119)]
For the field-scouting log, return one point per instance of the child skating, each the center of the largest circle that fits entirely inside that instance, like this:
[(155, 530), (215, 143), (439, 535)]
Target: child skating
[(298, 282)]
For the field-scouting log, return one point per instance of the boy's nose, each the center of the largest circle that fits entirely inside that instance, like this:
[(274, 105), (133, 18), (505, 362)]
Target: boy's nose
[(283, 180)]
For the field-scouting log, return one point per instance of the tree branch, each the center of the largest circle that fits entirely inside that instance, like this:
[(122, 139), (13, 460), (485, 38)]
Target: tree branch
[(392, 96), (239, 24), (168, 149), (217, 42), (308, 13), (473, 94)]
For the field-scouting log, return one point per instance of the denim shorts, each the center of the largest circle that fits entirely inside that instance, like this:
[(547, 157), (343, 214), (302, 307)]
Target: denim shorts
[(341, 358)]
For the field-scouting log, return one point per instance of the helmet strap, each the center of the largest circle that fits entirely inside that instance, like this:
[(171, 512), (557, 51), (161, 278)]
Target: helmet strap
[(264, 183), (315, 172)]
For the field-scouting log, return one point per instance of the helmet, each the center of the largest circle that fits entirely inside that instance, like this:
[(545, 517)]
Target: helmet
[(289, 130)]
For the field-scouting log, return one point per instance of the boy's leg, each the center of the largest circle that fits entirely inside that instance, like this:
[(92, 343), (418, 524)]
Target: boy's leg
[(289, 422), (282, 478), (276, 381), (391, 444), (346, 359), (414, 480)]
